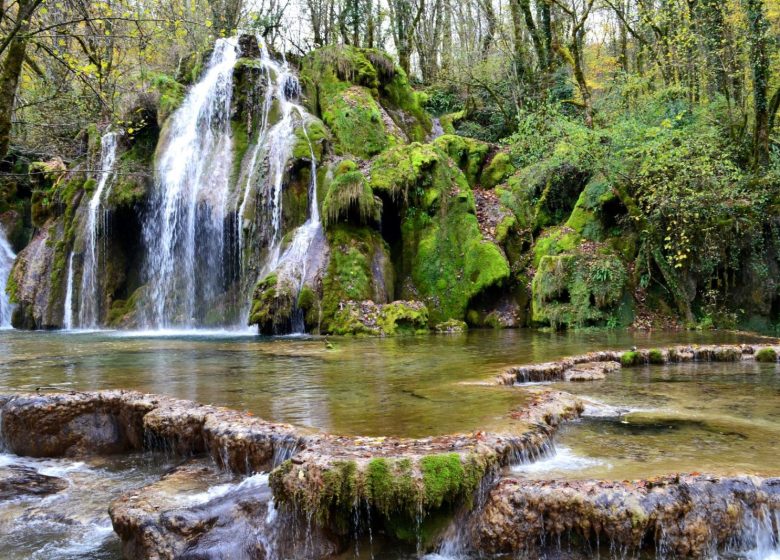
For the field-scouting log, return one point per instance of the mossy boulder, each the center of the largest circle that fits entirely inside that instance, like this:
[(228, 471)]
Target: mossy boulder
[(349, 197), (444, 260), (273, 304), (371, 319), (359, 269), (363, 98), (766, 355), (405, 494), (469, 154), (497, 170), (583, 287), (543, 194)]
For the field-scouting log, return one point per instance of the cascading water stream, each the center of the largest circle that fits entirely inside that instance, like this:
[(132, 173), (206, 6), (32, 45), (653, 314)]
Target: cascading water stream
[(89, 305), (278, 141), (296, 257), (184, 232), (7, 257), (67, 318)]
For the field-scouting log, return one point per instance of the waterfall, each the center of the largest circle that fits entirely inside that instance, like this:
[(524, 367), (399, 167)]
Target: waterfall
[(184, 231), (89, 306), (277, 141), (7, 257), (294, 261), (67, 312)]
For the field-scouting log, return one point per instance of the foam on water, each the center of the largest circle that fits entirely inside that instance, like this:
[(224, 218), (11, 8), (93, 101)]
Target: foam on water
[(563, 459)]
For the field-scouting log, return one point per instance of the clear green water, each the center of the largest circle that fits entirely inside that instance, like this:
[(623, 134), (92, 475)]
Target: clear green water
[(413, 386), (719, 418), (395, 386)]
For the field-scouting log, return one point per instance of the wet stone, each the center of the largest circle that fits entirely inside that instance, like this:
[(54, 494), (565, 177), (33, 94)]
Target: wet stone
[(18, 480)]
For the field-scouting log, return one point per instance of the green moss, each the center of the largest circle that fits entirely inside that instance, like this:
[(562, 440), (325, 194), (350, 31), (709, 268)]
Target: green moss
[(594, 211), (451, 326), (469, 154), (655, 356), (12, 289), (240, 140), (273, 304), (350, 198), (311, 137), (350, 276), (400, 317), (443, 478), (171, 92), (449, 121), (766, 355), (443, 251), (577, 289), (497, 170), (404, 171), (357, 92), (543, 194), (631, 358), (554, 242)]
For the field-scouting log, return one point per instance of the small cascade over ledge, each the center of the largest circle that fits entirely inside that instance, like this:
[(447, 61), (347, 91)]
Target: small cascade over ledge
[(7, 257)]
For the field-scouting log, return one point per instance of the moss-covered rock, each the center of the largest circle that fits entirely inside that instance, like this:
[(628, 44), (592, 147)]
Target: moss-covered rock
[(359, 269), (497, 170), (388, 319), (349, 197), (543, 194), (171, 94), (767, 355), (363, 98), (469, 154), (444, 259), (579, 288), (403, 493), (273, 304)]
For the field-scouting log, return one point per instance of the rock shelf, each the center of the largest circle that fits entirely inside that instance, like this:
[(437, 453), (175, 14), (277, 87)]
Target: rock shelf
[(320, 477), (691, 516), (596, 365)]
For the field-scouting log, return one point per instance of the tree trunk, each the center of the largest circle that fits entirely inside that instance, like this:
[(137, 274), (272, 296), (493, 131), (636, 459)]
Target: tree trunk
[(759, 61), (10, 74)]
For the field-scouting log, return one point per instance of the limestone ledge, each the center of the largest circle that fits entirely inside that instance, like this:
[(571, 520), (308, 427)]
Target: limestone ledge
[(686, 516), (322, 476), (596, 365)]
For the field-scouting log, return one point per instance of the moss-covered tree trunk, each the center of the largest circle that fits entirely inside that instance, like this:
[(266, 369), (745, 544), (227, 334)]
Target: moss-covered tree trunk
[(12, 71), (759, 61)]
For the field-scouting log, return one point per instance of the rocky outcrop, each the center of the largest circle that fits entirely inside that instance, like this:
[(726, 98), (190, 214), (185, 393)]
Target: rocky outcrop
[(680, 517)]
